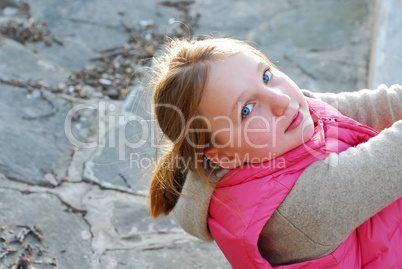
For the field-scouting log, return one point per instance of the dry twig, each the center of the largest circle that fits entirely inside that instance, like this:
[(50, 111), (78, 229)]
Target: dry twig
[(25, 31)]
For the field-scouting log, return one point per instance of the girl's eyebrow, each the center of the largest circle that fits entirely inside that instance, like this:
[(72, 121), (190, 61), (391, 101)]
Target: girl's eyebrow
[(260, 66)]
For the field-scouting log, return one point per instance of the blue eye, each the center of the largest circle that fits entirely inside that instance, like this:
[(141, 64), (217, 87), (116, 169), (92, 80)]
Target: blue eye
[(267, 76), (246, 110)]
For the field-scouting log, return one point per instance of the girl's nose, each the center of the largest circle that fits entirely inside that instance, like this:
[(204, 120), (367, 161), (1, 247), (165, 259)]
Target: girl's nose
[(279, 103)]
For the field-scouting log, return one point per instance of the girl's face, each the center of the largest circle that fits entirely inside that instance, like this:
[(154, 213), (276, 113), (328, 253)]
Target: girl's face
[(255, 112)]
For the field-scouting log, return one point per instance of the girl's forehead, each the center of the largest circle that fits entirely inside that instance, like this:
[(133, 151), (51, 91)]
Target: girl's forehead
[(228, 79), (242, 64), (239, 59)]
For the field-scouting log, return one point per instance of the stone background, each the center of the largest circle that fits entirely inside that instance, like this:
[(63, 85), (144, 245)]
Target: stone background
[(90, 202)]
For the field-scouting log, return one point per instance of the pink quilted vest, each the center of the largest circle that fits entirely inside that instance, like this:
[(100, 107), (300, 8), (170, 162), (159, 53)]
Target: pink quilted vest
[(247, 197)]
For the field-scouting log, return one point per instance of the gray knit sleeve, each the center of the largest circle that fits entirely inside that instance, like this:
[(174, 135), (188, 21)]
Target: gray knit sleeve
[(378, 108)]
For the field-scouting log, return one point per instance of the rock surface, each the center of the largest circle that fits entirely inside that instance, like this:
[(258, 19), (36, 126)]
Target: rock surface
[(385, 61), (75, 167)]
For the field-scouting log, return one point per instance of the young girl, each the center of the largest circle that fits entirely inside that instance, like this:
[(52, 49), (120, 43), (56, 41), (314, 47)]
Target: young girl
[(273, 174)]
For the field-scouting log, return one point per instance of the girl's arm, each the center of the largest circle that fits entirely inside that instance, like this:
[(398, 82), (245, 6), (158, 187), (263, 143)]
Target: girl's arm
[(378, 109), (333, 197)]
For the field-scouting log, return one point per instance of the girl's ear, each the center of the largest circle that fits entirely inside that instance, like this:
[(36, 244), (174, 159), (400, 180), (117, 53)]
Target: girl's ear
[(222, 159)]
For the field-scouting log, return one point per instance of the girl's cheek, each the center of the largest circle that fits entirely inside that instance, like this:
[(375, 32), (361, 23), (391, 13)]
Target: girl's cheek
[(258, 126)]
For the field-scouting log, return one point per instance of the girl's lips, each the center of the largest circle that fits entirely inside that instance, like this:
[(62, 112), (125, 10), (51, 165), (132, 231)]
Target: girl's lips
[(297, 120)]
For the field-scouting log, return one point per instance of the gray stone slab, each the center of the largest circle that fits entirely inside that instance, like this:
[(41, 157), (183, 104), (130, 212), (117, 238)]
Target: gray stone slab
[(120, 221), (72, 194), (187, 254), (64, 233), (127, 155), (125, 236), (386, 60), (19, 63), (301, 37), (129, 173), (87, 27), (35, 149), (119, 234)]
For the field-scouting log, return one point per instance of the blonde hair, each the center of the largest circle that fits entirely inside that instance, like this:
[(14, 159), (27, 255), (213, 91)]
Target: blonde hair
[(178, 82)]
